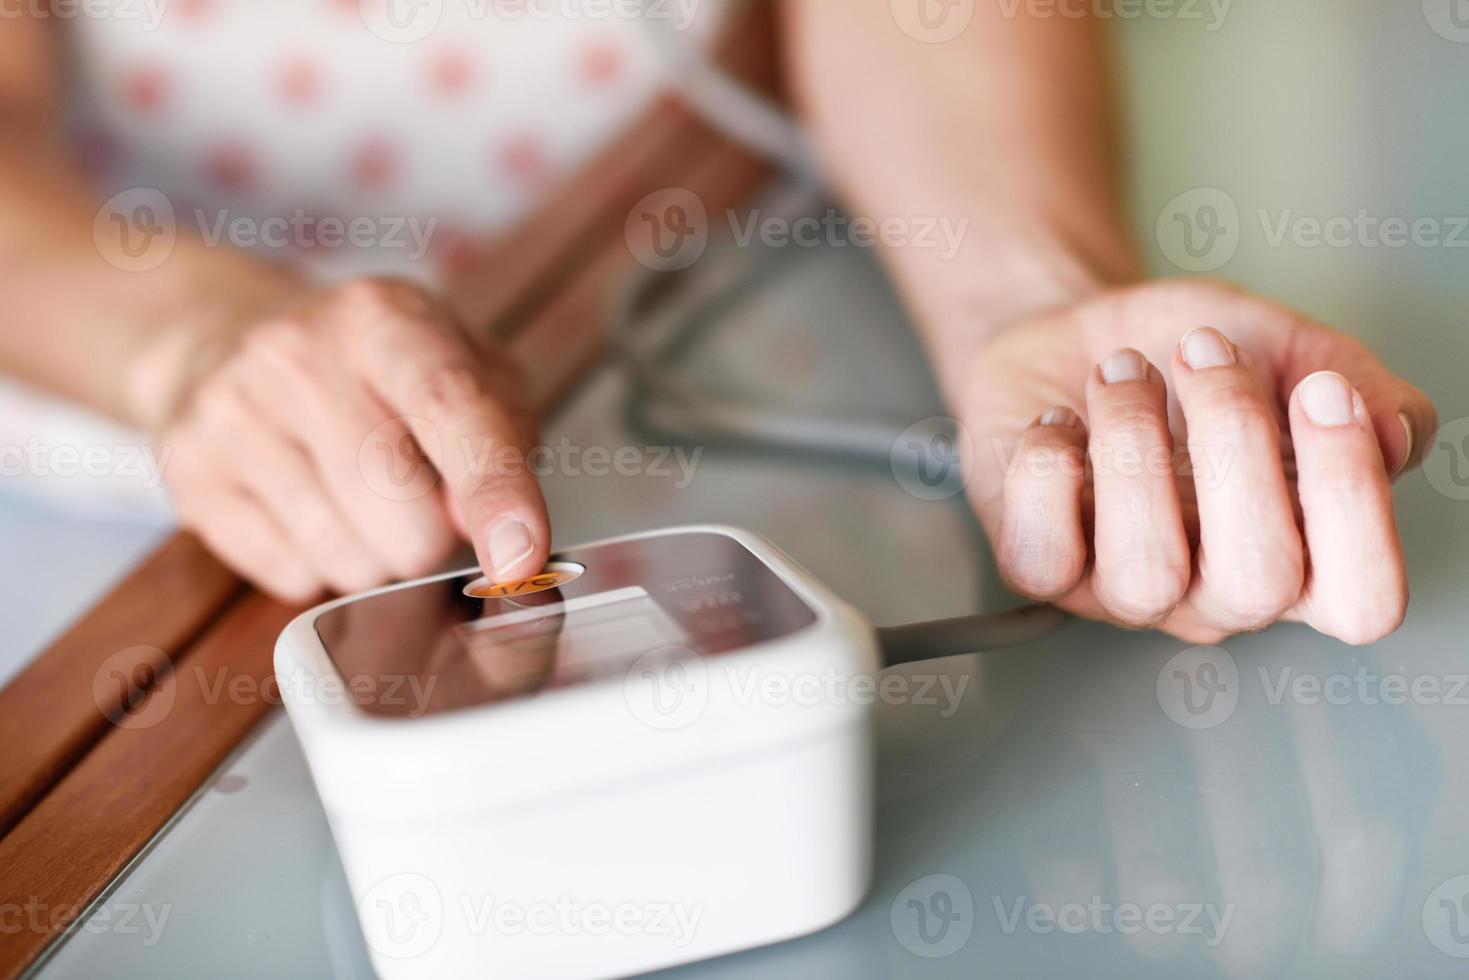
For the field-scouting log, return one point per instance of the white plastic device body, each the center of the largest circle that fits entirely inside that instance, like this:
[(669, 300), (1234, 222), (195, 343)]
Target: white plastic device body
[(668, 807)]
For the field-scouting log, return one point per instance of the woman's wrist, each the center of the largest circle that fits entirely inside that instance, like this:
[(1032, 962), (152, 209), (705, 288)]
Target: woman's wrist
[(195, 331), (999, 279)]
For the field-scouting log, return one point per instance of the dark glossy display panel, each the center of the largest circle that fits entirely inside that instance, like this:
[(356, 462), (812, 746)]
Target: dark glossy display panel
[(432, 648)]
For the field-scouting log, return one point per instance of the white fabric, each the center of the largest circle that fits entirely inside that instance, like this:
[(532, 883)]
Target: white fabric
[(261, 108)]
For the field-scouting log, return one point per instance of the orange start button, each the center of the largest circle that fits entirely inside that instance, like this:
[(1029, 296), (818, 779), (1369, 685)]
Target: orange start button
[(555, 575)]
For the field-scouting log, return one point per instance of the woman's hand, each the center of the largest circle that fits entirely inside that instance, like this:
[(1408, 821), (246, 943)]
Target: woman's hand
[(296, 456), (1276, 503)]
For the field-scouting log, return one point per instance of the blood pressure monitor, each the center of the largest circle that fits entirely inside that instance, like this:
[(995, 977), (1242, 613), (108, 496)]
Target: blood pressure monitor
[(657, 751)]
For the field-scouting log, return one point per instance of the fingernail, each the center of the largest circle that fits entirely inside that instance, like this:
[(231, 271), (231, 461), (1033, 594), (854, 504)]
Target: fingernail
[(1407, 425), (510, 544), (1327, 399), (1060, 415), (1205, 347), (1124, 365)]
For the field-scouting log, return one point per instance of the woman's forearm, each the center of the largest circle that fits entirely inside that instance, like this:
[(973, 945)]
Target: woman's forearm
[(72, 321), (1005, 131), (75, 323)]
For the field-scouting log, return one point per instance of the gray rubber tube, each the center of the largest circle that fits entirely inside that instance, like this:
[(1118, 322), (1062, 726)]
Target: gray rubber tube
[(965, 634)]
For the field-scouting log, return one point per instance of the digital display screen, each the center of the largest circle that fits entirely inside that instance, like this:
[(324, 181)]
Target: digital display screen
[(433, 648)]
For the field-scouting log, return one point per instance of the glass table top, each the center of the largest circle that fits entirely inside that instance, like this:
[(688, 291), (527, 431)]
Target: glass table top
[(1095, 803)]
